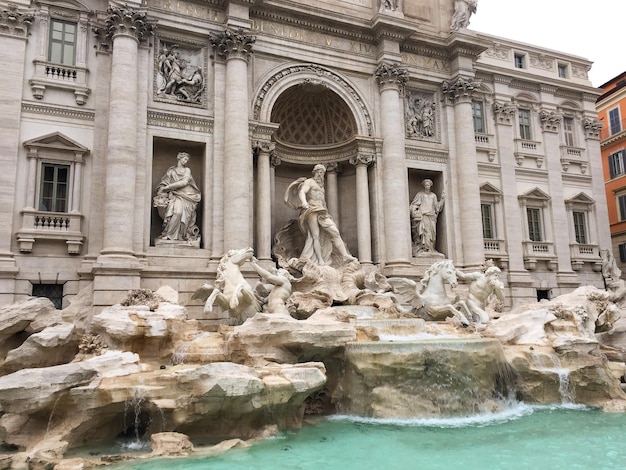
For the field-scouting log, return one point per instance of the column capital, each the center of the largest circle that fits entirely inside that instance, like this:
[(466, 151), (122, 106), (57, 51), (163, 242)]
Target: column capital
[(504, 112), (233, 44), (592, 127), (460, 89), (550, 120), (275, 160), (15, 22), (391, 76), (263, 146), (128, 22), (334, 167), (362, 159)]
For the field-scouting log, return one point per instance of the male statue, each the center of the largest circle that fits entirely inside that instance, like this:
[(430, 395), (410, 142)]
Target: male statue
[(321, 232), (424, 210)]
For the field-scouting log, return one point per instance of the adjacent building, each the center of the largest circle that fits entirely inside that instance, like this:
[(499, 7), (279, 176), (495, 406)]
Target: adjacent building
[(611, 107), (101, 100)]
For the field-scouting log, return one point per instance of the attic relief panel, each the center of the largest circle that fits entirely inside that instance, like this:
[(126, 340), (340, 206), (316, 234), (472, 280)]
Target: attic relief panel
[(420, 115), (180, 73)]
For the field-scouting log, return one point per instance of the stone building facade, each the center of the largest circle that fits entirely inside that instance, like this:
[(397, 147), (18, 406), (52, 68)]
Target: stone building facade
[(99, 97)]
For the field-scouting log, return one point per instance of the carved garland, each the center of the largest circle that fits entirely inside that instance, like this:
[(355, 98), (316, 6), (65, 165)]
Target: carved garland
[(321, 72)]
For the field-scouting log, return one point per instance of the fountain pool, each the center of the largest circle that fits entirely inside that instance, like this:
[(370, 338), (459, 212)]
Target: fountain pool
[(522, 437)]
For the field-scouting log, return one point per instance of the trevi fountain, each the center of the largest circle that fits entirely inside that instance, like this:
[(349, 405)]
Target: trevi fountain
[(315, 336)]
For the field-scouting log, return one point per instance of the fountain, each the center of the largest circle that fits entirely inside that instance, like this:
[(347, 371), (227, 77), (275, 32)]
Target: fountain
[(326, 336)]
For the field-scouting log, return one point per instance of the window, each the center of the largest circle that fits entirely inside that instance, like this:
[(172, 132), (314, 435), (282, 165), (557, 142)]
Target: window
[(580, 227), (54, 186), (62, 47), (622, 252), (568, 131), (488, 225), (621, 202), (479, 116), (534, 224), (562, 69), (616, 164), (614, 121), (519, 61), (54, 292), (524, 124)]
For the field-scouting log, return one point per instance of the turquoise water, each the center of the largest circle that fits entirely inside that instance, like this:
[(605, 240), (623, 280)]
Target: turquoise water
[(522, 438)]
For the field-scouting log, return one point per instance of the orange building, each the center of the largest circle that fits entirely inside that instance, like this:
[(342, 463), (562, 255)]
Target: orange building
[(611, 108)]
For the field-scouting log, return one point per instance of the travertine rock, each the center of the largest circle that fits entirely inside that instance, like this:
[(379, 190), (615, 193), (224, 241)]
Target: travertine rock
[(170, 444)]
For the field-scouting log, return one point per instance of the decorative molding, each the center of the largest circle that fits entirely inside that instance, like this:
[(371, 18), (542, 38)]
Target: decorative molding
[(233, 44), (14, 22), (65, 113), (421, 119), (499, 52), (426, 155), (391, 76), (275, 160), (540, 61), (179, 121)]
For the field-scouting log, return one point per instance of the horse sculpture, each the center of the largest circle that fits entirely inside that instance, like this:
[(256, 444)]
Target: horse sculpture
[(231, 291), (428, 297)]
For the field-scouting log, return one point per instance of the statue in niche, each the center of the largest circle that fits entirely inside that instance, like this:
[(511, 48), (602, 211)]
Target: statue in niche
[(322, 238), (177, 77), (424, 210), (420, 116), (176, 200), (463, 10)]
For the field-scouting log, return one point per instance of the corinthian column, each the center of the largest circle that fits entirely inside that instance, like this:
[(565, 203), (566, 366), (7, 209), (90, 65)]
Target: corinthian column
[(332, 190), (363, 227), (126, 28), (459, 92), (236, 48), (391, 79)]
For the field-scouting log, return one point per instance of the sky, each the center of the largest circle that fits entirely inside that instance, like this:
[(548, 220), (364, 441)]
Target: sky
[(590, 29)]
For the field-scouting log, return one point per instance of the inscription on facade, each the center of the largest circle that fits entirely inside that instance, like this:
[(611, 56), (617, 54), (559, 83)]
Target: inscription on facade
[(425, 62), (186, 8), (311, 37)]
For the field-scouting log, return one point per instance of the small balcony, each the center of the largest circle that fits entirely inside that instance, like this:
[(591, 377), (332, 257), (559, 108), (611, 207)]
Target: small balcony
[(496, 249), (539, 251), (528, 149), (49, 75), (581, 253), (40, 225), (573, 155)]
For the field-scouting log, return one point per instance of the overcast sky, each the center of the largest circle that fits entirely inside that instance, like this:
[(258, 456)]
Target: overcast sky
[(592, 29)]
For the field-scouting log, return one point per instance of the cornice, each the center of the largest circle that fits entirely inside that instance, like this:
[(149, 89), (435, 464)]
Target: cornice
[(426, 155), (425, 49), (58, 111)]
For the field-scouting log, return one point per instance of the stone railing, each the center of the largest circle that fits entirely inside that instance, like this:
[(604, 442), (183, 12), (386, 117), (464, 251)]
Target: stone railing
[(573, 155), (481, 139), (41, 225), (528, 149), (581, 253), (539, 251), (65, 77)]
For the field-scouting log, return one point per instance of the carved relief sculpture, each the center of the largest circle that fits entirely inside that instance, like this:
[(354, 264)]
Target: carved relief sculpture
[(176, 200), (419, 113), (424, 210), (180, 73), (463, 10)]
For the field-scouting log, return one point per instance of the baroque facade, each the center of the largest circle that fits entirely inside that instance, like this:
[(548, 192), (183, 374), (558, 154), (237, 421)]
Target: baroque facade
[(109, 108)]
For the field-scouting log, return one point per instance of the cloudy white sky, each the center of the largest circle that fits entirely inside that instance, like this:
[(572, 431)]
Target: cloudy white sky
[(593, 29)]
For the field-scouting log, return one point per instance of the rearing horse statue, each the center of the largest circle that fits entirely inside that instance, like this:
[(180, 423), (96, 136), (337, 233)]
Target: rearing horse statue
[(428, 297), (231, 291)]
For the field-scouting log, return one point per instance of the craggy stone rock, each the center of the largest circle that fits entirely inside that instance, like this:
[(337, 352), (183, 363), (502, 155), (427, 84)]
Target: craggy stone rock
[(52, 346), (170, 444), (282, 339)]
